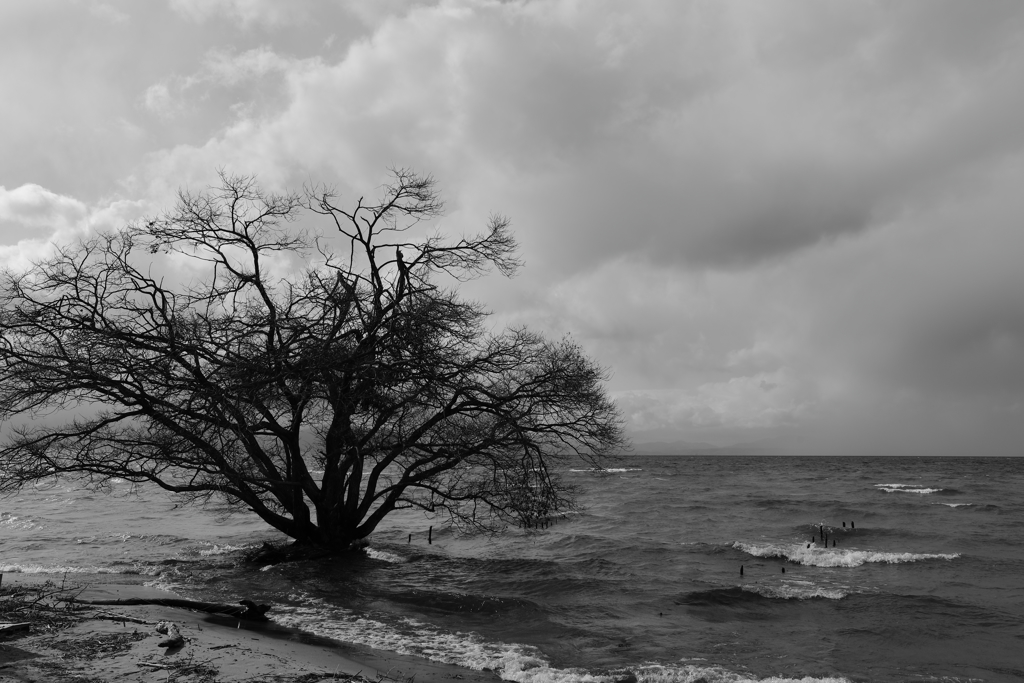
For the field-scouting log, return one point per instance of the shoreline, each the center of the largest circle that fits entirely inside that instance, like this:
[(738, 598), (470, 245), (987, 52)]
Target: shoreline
[(103, 648)]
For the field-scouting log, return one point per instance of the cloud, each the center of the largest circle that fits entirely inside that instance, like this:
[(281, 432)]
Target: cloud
[(158, 100), (33, 212), (762, 401), (728, 134), (266, 13), (219, 70), (108, 12), (796, 216), (33, 219)]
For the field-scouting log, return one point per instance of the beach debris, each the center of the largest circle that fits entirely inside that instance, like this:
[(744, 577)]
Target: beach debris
[(174, 637), (123, 618), (8, 627), (249, 610)]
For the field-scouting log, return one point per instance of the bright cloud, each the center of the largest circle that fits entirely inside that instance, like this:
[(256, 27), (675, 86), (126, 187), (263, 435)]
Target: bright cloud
[(265, 12), (33, 212)]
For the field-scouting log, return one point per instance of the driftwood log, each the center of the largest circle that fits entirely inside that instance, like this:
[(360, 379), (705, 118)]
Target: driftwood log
[(7, 627), (249, 610)]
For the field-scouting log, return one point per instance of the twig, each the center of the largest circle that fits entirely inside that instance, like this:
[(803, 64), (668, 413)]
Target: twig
[(111, 616)]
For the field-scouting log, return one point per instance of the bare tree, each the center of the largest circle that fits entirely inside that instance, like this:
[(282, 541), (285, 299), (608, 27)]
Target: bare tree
[(322, 400)]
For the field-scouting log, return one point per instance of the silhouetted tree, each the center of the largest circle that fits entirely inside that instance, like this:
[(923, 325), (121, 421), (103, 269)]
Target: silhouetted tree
[(321, 397)]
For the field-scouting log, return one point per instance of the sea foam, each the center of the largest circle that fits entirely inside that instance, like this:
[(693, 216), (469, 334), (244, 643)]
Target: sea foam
[(511, 661), (691, 673), (225, 549), (384, 556), (906, 488), (141, 569), (795, 592), (835, 557), (16, 522), (609, 470), (688, 673)]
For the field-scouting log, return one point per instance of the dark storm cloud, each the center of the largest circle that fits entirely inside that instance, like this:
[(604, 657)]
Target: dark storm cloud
[(799, 216)]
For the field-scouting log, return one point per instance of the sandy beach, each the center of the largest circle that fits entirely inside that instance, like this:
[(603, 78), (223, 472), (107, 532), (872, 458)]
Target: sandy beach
[(102, 647)]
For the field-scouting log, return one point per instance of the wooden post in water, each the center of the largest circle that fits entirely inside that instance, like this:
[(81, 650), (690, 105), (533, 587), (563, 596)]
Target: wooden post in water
[(852, 525), (741, 570), (844, 525), (833, 543), (430, 536), (410, 539), (783, 570)]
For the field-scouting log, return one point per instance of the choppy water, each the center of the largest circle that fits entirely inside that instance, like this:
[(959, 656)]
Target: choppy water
[(929, 586)]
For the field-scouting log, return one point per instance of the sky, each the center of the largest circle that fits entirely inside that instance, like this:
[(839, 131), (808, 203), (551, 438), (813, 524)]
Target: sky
[(792, 221)]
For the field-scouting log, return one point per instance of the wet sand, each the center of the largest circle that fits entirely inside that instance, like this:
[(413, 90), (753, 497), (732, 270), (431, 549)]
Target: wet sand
[(103, 648)]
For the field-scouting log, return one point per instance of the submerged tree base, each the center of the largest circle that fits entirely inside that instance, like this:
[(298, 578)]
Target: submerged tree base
[(276, 553)]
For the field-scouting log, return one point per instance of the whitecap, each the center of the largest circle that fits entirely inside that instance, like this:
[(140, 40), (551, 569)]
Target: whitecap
[(224, 549), (906, 488), (686, 673), (143, 569), (610, 470), (795, 592), (835, 557), (955, 505), (384, 556), (166, 586), (17, 522)]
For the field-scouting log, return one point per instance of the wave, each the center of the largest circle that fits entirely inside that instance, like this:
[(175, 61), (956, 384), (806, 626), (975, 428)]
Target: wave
[(16, 522), (793, 592), (907, 488), (689, 673), (511, 661), (955, 505), (134, 569), (737, 595), (384, 556), (609, 470), (834, 557), (225, 549)]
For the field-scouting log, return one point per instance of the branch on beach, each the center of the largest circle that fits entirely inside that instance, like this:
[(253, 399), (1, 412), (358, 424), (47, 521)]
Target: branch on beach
[(249, 611)]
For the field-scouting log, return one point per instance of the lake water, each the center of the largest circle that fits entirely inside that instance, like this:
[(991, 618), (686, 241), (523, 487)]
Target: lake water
[(925, 582)]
